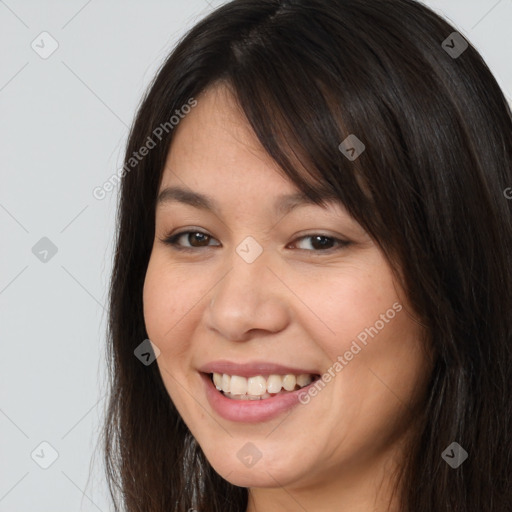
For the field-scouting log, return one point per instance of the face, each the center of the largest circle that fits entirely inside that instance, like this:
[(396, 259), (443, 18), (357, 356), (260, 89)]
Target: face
[(252, 289)]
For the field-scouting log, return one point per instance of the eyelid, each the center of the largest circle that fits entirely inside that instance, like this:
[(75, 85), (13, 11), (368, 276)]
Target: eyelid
[(171, 241)]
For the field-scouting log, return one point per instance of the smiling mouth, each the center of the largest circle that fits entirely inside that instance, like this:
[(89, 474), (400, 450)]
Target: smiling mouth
[(260, 387)]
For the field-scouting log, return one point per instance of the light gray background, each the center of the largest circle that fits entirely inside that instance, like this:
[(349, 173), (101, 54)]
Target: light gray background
[(63, 126)]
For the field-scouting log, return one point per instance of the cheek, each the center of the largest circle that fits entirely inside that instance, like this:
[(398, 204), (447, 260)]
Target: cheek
[(353, 302), (168, 300), (372, 329), (168, 296), (155, 298)]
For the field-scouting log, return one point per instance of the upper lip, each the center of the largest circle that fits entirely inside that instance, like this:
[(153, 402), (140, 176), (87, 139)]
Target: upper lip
[(252, 369)]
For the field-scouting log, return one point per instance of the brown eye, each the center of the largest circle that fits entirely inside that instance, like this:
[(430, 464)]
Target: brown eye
[(196, 236), (320, 243), (193, 239)]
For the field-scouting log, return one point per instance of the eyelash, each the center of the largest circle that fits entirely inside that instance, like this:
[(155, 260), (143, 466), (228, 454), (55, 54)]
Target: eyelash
[(173, 239)]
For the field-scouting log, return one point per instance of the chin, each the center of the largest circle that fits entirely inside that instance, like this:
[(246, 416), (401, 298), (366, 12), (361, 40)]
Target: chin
[(263, 473), (253, 477)]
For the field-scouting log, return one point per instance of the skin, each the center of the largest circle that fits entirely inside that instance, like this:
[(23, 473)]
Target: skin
[(296, 304)]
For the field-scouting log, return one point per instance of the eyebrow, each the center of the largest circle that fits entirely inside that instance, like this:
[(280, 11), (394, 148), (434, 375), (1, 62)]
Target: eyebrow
[(283, 204)]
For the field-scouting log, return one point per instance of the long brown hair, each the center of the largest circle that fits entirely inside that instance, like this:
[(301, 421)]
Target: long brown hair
[(429, 188)]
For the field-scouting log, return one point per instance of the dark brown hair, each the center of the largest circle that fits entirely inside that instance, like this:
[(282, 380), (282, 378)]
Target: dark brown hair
[(429, 188)]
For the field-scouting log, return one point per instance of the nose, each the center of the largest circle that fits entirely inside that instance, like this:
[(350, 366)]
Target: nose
[(249, 300)]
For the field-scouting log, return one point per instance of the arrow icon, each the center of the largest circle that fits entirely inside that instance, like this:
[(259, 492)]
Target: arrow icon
[(44, 250), (352, 147), (44, 455), (147, 352), (455, 45), (249, 249), (454, 455), (249, 455), (40, 45)]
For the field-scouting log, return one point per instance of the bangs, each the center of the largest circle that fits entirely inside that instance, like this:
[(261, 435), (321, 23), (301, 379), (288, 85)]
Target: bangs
[(301, 113)]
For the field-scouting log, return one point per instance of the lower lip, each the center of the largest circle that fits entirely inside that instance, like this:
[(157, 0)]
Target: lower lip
[(250, 411)]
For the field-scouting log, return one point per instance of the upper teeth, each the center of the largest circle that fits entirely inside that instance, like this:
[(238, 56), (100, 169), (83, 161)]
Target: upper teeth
[(259, 385)]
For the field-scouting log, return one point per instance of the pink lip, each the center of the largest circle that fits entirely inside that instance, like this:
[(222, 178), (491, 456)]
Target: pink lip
[(250, 411), (252, 369)]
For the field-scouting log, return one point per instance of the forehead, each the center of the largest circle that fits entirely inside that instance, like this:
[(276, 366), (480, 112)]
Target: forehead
[(216, 126), (216, 161), (215, 144)]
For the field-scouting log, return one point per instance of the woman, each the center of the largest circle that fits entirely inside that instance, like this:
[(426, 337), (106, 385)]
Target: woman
[(314, 235)]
